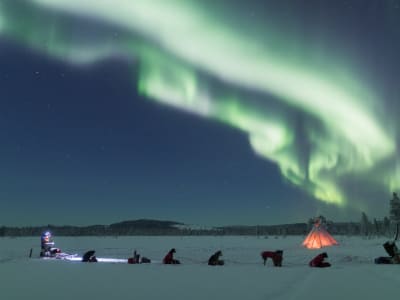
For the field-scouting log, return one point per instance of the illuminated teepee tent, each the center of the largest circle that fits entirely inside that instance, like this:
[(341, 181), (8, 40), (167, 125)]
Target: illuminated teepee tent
[(319, 237)]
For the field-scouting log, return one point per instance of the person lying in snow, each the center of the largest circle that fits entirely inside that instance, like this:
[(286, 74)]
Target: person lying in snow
[(318, 261), (169, 258), (214, 259), (276, 256), (394, 253)]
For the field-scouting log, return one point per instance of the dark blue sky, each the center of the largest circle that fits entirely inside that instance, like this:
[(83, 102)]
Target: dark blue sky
[(81, 147), (95, 128)]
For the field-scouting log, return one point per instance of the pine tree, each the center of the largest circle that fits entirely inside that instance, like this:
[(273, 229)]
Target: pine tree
[(365, 225), (377, 227), (310, 224), (395, 209), (386, 226)]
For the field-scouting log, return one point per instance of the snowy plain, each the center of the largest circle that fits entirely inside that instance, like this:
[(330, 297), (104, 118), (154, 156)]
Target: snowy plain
[(353, 274)]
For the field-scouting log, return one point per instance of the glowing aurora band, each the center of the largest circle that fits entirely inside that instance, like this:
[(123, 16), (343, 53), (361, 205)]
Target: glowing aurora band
[(181, 49)]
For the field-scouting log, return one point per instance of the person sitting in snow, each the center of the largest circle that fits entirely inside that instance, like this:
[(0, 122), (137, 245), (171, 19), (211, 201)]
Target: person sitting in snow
[(214, 259), (135, 259), (276, 256), (394, 253), (318, 261), (89, 256), (169, 258), (46, 245)]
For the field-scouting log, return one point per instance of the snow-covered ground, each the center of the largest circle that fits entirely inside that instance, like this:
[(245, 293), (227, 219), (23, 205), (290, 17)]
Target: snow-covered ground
[(353, 274)]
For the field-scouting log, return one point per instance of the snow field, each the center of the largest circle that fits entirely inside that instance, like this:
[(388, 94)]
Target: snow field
[(353, 274)]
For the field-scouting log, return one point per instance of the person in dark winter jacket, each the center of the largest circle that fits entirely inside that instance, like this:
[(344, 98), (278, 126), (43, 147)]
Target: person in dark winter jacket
[(169, 258), (214, 259), (318, 261), (276, 256), (89, 256), (394, 253)]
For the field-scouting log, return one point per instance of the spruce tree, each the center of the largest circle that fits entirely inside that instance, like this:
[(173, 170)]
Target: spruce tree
[(365, 225), (395, 209), (386, 226)]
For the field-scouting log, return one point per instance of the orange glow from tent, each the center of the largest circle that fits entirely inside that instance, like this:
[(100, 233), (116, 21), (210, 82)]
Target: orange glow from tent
[(318, 238)]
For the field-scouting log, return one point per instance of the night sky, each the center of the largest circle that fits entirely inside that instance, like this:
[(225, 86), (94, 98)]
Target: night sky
[(235, 112)]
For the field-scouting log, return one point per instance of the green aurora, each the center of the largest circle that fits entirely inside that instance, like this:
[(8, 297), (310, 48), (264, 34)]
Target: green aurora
[(192, 56)]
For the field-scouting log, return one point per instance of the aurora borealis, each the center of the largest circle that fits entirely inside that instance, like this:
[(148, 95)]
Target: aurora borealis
[(309, 83)]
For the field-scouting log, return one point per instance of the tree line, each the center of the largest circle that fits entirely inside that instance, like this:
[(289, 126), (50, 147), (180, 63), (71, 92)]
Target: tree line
[(365, 227)]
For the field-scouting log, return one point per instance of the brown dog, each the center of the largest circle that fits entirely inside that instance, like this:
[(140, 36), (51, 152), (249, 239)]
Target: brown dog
[(276, 256)]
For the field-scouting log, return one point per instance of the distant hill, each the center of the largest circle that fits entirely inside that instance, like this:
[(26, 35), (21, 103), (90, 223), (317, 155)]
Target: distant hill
[(132, 227), (157, 227), (145, 227), (145, 224)]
